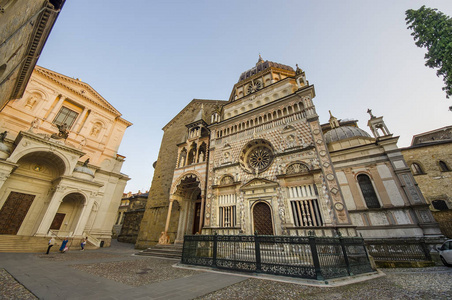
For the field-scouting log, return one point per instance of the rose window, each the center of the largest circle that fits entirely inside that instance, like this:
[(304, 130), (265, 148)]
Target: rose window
[(256, 156), (259, 158)]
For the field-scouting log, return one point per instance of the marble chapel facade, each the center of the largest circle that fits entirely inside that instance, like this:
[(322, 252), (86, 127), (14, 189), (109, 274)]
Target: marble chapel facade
[(262, 162)]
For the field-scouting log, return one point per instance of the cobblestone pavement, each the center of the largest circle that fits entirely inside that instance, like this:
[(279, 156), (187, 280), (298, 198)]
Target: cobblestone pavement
[(116, 264), (137, 273), (11, 289), (413, 283)]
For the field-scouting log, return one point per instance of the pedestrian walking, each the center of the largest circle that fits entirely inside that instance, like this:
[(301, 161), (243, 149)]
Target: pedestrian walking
[(83, 243), (63, 247), (50, 245)]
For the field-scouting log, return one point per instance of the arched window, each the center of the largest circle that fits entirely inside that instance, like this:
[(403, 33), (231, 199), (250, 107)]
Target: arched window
[(227, 180), (443, 166), (368, 191), (416, 169), (440, 204), (182, 158)]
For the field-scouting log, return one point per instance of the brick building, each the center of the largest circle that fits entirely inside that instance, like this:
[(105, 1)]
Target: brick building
[(130, 214), (430, 159)]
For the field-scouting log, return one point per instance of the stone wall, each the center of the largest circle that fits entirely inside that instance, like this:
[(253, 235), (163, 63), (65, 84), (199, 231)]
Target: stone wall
[(131, 226), (24, 28), (434, 183), (154, 219), (444, 219)]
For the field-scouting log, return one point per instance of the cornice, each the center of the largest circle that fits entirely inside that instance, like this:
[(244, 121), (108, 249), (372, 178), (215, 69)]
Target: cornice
[(122, 120), (85, 181), (271, 86), (47, 142), (41, 30), (113, 174), (51, 75), (184, 110)]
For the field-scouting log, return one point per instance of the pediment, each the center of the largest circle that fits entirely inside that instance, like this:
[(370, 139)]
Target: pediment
[(257, 183), (79, 87)]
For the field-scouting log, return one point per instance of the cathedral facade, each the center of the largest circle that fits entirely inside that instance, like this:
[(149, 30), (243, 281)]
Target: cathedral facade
[(261, 162), (60, 171)]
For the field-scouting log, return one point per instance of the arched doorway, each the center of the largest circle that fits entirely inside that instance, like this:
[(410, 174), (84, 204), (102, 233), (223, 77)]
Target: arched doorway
[(189, 199), (68, 215), (262, 219), (24, 196)]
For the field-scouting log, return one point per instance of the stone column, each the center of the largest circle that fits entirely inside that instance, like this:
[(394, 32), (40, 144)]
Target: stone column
[(164, 237), (168, 217), (54, 110), (79, 124), (86, 211), (201, 216), (51, 211)]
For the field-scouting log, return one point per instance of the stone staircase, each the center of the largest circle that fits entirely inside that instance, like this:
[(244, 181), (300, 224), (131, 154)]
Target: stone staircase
[(23, 244), (173, 251)]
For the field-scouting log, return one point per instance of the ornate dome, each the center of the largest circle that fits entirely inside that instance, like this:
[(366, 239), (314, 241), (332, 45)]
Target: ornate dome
[(261, 66), (344, 132)]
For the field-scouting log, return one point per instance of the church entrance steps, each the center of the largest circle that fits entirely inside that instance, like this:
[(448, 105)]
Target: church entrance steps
[(173, 251), (30, 244), (18, 243)]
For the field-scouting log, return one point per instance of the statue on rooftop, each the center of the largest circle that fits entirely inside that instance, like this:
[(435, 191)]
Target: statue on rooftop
[(85, 164), (63, 132)]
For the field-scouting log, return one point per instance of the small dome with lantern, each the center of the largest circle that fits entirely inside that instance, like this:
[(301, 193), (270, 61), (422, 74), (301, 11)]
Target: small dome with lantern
[(344, 134)]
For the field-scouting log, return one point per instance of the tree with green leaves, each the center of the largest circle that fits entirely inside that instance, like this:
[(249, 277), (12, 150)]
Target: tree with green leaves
[(433, 30)]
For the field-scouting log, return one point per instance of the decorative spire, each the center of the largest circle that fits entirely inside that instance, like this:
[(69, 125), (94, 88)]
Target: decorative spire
[(260, 60), (334, 123), (298, 70)]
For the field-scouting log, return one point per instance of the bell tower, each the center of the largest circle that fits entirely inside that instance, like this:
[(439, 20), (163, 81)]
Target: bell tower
[(377, 126)]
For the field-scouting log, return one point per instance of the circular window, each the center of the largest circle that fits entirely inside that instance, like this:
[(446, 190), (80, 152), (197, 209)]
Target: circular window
[(260, 158), (256, 156)]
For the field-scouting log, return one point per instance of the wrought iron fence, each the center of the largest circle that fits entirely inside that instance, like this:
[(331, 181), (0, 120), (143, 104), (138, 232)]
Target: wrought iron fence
[(398, 250), (306, 257)]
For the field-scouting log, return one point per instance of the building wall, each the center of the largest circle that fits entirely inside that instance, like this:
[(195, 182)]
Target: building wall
[(154, 219), (307, 185), (434, 183), (56, 171), (23, 42)]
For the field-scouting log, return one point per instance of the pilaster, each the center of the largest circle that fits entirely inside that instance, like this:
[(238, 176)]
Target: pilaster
[(81, 224), (52, 209)]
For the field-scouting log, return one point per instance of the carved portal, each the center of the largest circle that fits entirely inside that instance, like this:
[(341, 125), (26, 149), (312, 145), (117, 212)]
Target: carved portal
[(263, 223)]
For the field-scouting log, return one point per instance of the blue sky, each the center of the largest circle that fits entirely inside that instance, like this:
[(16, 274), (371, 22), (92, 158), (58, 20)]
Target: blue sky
[(149, 59)]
